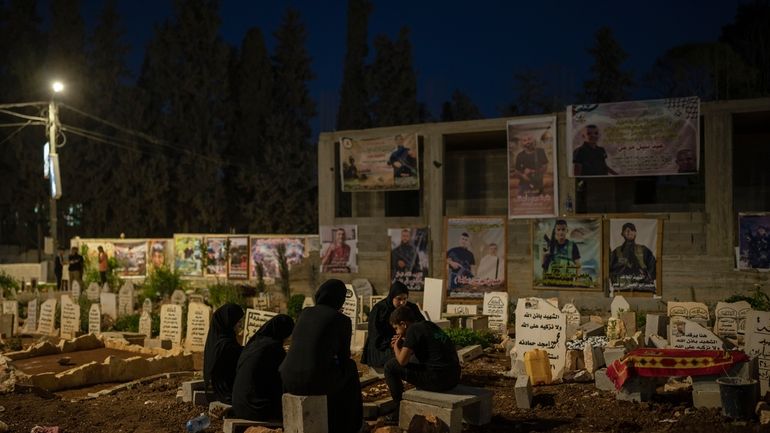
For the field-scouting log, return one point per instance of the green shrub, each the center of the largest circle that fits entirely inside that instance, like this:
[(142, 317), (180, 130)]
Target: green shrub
[(85, 308), (759, 300), (128, 323), (467, 337), (92, 275), (224, 293), (7, 283), (294, 306), (162, 282)]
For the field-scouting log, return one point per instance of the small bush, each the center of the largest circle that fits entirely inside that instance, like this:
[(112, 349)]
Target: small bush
[(128, 323), (463, 337), (162, 282), (759, 300), (7, 283), (294, 306), (224, 293)]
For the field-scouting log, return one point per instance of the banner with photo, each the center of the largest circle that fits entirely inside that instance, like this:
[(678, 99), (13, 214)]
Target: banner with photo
[(380, 164), (634, 138), (532, 183), (567, 253), (131, 257), (91, 257), (216, 256), (634, 255), (754, 241), (475, 256), (187, 255), (409, 262), (265, 251), (238, 258), (339, 248), (159, 254)]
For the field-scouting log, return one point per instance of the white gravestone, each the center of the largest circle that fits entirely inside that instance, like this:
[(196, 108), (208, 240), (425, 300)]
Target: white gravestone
[(126, 299), (308, 302), (145, 324), (262, 301), (75, 287), (618, 305), (109, 303), (462, 309), (93, 292), (433, 298), (540, 325), (70, 318), (350, 307), (30, 324), (47, 320), (730, 318), (147, 306), (12, 307), (198, 320), (253, 320), (95, 319), (171, 323), (696, 311), (374, 299), (195, 298), (496, 307), (686, 334), (572, 315), (178, 297), (758, 344)]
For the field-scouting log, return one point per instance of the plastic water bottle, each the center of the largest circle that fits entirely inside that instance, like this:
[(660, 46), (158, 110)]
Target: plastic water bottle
[(199, 423)]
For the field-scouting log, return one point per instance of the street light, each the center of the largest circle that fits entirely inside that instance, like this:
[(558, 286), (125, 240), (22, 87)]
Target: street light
[(57, 86), (55, 178)]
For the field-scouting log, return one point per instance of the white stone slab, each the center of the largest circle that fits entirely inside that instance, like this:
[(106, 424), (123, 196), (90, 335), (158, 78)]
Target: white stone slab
[(619, 304), (76, 290), (95, 319), (46, 322), (350, 307), (171, 323), (572, 316), (126, 299), (178, 297), (30, 324), (686, 334), (12, 307), (462, 309), (145, 324), (109, 303), (758, 344), (198, 321), (308, 302), (689, 310), (147, 306), (730, 318), (253, 320), (496, 307), (433, 298), (540, 325), (93, 292)]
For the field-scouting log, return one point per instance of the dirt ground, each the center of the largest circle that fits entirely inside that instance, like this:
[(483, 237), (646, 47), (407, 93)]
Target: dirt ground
[(569, 407)]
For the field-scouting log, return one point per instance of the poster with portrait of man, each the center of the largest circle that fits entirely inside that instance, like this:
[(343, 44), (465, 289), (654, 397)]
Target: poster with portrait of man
[(634, 138), (634, 255), (754, 241), (409, 262), (264, 251), (238, 258), (187, 255), (131, 256), (380, 164), (216, 256), (159, 254), (532, 185), (567, 253), (475, 256), (339, 249)]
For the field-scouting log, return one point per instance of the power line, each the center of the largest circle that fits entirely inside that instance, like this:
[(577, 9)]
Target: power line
[(23, 125)]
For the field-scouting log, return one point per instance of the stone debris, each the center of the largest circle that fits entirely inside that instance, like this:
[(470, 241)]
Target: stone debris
[(593, 341)]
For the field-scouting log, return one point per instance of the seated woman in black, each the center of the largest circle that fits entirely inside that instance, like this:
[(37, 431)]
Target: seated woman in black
[(318, 362), (258, 388), (438, 367), (220, 355), (377, 350)]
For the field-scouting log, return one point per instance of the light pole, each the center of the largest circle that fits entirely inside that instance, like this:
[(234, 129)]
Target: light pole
[(52, 130)]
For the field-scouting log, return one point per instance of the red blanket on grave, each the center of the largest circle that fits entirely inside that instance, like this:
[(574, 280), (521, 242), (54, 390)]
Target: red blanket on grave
[(651, 362)]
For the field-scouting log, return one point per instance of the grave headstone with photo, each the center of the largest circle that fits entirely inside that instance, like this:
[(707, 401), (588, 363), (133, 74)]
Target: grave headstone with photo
[(730, 318), (433, 298), (253, 320), (462, 309), (145, 324), (171, 323), (496, 307), (541, 325), (686, 334), (758, 345), (109, 303), (126, 299), (46, 322), (70, 318), (92, 292), (198, 320), (95, 319)]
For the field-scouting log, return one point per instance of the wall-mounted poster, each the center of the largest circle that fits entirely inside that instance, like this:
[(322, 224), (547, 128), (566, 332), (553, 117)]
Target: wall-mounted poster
[(158, 254), (380, 164), (409, 261), (187, 255), (91, 257), (635, 245), (264, 251), (339, 248), (532, 186), (216, 256), (132, 258), (754, 241), (238, 263), (634, 138), (475, 256), (567, 253)]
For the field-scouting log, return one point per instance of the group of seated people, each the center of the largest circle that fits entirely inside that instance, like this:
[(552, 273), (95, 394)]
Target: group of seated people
[(254, 377)]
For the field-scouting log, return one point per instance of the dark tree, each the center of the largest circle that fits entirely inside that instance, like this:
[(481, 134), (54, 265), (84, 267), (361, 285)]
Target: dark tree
[(608, 81), (393, 82), (353, 110), (460, 107), (749, 36)]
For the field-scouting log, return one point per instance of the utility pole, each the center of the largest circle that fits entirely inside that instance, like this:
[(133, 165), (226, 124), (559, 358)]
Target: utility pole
[(52, 129)]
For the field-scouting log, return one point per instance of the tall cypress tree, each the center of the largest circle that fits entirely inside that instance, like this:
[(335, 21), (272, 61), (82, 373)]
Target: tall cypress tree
[(608, 82), (353, 110), (393, 82), (460, 107), (749, 35)]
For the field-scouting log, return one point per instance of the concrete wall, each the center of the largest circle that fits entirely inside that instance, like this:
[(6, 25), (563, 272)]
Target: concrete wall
[(697, 258)]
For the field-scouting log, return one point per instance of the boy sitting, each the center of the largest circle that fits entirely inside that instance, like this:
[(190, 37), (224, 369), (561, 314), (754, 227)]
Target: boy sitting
[(438, 368)]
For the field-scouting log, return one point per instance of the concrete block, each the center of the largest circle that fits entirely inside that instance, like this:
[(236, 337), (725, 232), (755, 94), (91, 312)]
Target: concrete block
[(409, 409), (220, 410), (657, 324), (469, 353), (475, 403), (523, 392), (156, 343), (593, 358), (236, 425), (602, 381), (629, 321), (613, 353), (637, 389), (591, 329), (706, 394), (574, 360), (305, 414), (477, 323), (189, 387), (199, 398)]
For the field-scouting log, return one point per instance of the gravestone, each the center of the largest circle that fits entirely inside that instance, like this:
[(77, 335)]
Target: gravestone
[(93, 292), (126, 299), (374, 299), (496, 307), (145, 324), (195, 298), (109, 303), (572, 315), (618, 305), (462, 309), (695, 311), (686, 334), (253, 320), (262, 301), (171, 323), (178, 297), (30, 324), (75, 290), (147, 306), (730, 318), (95, 319), (433, 298), (758, 344), (12, 307), (46, 322), (308, 302), (70, 318), (350, 307), (540, 325), (198, 320)]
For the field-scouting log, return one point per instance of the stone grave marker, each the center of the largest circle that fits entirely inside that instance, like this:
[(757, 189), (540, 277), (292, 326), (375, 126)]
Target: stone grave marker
[(253, 320), (171, 323), (109, 303), (572, 315), (178, 297), (695, 311), (12, 307), (496, 307), (730, 318), (308, 302), (758, 344), (686, 334), (462, 309), (198, 320), (195, 298), (70, 318), (618, 305), (147, 306), (262, 301), (75, 286), (433, 298), (126, 299), (30, 324), (95, 319), (93, 292), (540, 325), (374, 299), (350, 307), (46, 322), (145, 324)]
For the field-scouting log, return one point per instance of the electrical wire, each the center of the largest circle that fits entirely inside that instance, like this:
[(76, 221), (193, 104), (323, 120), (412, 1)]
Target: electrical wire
[(24, 125), (23, 116)]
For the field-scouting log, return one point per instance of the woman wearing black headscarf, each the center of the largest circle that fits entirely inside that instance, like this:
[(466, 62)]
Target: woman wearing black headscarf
[(257, 389), (377, 350), (220, 355), (318, 362)]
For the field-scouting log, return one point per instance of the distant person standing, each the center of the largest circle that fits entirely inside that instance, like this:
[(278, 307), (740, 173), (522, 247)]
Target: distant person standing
[(58, 267), (75, 266), (590, 159), (102, 265)]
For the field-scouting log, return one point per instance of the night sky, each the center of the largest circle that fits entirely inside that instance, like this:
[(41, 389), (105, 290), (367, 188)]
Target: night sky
[(474, 46)]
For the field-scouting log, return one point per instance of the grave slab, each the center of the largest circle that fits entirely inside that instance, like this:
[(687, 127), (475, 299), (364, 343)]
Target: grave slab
[(190, 386), (523, 392), (304, 414), (602, 381), (237, 425)]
